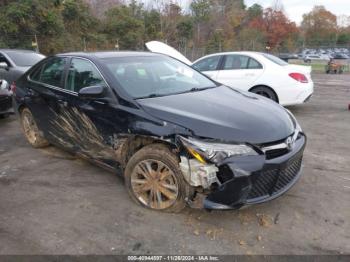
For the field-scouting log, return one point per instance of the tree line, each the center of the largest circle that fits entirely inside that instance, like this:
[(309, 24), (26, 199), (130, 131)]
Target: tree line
[(205, 25)]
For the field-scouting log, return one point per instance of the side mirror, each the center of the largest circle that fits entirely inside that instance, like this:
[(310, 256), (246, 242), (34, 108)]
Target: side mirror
[(3, 65), (4, 85), (92, 92)]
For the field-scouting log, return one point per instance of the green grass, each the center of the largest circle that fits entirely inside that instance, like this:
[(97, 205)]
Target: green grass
[(317, 66)]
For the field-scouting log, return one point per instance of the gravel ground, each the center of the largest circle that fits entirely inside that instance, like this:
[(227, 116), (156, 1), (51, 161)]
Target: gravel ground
[(53, 203)]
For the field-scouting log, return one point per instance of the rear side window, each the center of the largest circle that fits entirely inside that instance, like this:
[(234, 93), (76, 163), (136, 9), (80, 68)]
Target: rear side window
[(82, 73), (236, 62), (208, 64), (52, 72), (35, 75), (275, 59), (253, 64)]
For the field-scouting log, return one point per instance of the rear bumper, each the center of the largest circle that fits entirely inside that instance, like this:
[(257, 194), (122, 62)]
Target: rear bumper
[(265, 180), (302, 96), (6, 105)]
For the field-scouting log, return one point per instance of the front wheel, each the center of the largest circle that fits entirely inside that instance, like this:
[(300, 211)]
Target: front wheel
[(266, 92), (154, 179), (31, 130)]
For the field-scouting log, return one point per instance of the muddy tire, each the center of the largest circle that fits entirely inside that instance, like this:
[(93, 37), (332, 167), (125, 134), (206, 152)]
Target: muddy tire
[(31, 130), (154, 179)]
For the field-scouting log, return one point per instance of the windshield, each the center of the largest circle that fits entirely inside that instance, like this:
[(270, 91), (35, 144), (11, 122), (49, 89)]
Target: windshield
[(275, 59), (151, 76), (25, 58)]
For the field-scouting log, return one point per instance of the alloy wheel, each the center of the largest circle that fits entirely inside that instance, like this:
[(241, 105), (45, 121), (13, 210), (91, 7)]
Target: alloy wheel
[(30, 128), (154, 184)]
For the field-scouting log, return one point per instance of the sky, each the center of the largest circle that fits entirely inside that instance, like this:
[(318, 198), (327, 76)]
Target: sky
[(296, 8)]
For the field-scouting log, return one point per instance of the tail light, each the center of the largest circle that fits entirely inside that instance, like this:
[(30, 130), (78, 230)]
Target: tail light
[(299, 77), (13, 87)]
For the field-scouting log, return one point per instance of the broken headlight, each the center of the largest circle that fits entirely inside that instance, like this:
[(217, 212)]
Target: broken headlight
[(215, 152)]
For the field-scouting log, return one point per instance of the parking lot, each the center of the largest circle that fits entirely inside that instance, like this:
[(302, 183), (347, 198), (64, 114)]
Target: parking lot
[(54, 203)]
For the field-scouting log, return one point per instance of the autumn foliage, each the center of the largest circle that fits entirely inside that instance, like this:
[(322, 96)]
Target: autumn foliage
[(276, 27)]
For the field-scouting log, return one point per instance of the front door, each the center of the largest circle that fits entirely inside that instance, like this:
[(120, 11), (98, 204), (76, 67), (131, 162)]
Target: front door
[(87, 125), (209, 66)]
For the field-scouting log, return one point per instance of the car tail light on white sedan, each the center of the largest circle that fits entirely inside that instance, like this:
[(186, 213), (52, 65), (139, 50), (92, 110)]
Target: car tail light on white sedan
[(13, 87), (299, 77)]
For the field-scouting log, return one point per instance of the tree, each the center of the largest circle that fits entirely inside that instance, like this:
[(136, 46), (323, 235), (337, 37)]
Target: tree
[(121, 26), (277, 28), (319, 27)]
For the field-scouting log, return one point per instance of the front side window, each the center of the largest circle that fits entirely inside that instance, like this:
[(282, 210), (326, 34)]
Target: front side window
[(52, 72), (82, 73), (150, 76), (208, 64), (236, 62)]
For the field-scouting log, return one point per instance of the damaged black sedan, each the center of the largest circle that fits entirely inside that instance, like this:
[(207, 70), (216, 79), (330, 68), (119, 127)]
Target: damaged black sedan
[(176, 136)]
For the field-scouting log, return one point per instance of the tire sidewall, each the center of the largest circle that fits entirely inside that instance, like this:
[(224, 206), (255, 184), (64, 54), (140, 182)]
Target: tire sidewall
[(148, 154), (271, 93)]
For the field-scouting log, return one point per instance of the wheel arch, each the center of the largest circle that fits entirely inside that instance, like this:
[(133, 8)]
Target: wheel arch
[(268, 87), (127, 145)]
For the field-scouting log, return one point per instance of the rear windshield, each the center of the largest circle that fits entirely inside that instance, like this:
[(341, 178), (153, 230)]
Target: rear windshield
[(25, 58), (275, 59)]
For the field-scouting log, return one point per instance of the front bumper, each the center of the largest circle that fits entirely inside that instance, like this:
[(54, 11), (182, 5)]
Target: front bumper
[(264, 180)]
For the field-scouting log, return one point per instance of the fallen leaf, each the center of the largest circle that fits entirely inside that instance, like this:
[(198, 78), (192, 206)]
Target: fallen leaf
[(242, 242)]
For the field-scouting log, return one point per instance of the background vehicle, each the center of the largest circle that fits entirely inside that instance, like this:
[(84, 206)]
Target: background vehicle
[(176, 135), (5, 99), (340, 56), (258, 73), (316, 57), (13, 63)]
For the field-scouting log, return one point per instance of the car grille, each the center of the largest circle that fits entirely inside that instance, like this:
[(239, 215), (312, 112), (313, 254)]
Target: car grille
[(271, 182), (271, 154)]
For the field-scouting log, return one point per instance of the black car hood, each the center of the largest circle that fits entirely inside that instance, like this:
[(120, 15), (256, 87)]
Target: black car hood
[(223, 114)]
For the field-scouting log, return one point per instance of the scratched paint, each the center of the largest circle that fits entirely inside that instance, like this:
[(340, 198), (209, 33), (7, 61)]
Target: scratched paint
[(75, 131)]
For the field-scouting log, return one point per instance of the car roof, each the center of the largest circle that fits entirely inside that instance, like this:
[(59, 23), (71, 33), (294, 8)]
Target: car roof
[(232, 53), (17, 50), (108, 54)]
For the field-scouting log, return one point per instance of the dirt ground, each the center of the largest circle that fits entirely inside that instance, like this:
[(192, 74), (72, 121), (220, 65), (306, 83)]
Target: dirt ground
[(53, 203)]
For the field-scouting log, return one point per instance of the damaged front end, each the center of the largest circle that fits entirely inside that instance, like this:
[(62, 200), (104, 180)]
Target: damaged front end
[(229, 176)]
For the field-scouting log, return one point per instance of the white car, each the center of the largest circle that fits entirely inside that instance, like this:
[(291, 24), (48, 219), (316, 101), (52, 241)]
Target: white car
[(260, 73), (315, 57)]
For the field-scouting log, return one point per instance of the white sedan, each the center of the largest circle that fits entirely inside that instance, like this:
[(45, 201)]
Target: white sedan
[(260, 73)]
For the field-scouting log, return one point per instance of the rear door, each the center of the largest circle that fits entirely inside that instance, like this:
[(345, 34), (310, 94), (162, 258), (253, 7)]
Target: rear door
[(40, 93), (239, 71), (209, 66)]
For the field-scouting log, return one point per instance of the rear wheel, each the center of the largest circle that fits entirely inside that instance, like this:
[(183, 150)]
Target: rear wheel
[(154, 179), (31, 130), (266, 92)]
